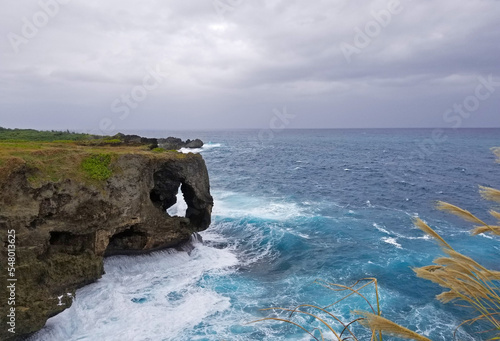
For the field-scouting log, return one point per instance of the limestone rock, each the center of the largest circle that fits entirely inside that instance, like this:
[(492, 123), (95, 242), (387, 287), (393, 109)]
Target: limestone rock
[(64, 229)]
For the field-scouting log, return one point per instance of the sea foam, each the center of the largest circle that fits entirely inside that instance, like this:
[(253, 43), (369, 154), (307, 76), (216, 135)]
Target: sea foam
[(149, 297)]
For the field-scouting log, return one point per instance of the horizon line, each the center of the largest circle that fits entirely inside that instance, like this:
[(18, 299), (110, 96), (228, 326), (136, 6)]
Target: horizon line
[(251, 128)]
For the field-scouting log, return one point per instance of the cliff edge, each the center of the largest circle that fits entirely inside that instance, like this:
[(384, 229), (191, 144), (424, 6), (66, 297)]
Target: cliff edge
[(64, 207)]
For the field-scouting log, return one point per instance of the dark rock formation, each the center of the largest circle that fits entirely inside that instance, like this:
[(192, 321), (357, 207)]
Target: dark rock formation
[(64, 229), (197, 143), (137, 140), (174, 143), (171, 143)]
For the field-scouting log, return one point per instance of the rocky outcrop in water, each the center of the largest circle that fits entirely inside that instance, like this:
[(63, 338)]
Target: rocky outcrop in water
[(174, 143), (63, 229)]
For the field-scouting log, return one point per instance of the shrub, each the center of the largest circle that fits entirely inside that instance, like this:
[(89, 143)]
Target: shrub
[(158, 150), (96, 166), (112, 141)]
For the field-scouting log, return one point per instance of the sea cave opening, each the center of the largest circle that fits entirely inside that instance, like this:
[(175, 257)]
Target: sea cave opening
[(180, 207), (126, 242), (177, 197)]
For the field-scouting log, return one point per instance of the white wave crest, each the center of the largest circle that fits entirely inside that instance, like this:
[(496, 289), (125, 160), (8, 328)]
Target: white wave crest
[(237, 205), (205, 147), (392, 241), (381, 229)]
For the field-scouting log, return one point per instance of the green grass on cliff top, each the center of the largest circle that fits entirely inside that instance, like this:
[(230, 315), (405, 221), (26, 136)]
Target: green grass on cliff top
[(37, 135), (89, 161)]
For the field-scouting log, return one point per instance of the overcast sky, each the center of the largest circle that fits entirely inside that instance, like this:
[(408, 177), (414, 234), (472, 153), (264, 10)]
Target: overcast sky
[(206, 64)]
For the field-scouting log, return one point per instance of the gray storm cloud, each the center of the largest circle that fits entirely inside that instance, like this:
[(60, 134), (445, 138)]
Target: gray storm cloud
[(124, 64)]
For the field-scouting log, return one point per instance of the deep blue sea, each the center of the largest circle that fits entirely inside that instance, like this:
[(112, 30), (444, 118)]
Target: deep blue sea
[(335, 205)]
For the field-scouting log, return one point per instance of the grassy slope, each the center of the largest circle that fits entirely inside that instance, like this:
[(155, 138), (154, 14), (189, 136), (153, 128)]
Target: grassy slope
[(79, 157)]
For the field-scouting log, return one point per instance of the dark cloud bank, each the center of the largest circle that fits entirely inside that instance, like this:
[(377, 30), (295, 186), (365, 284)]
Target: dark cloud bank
[(233, 64)]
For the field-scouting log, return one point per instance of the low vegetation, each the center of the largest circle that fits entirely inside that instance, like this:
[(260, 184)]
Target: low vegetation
[(97, 166), (465, 281), (47, 136), (54, 156)]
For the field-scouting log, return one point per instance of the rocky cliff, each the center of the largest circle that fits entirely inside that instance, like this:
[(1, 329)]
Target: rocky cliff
[(64, 226)]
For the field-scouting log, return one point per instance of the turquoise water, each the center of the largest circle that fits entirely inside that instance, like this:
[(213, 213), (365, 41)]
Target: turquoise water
[(305, 205)]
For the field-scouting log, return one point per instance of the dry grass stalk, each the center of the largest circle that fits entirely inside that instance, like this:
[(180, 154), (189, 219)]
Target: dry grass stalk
[(457, 256), (353, 290), (451, 263), (483, 229), (448, 296), (496, 151), (316, 317), (492, 275), (464, 214), (428, 230), (489, 193), (378, 323), (293, 323), (466, 281), (495, 214)]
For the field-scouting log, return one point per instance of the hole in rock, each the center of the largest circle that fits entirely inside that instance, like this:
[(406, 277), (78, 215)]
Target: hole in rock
[(179, 208), (181, 203), (126, 242)]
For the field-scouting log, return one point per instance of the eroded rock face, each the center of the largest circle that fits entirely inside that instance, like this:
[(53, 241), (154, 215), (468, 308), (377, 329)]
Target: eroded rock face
[(64, 229)]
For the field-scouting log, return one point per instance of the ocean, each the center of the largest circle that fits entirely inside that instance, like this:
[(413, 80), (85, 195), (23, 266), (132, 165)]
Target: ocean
[(293, 207)]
